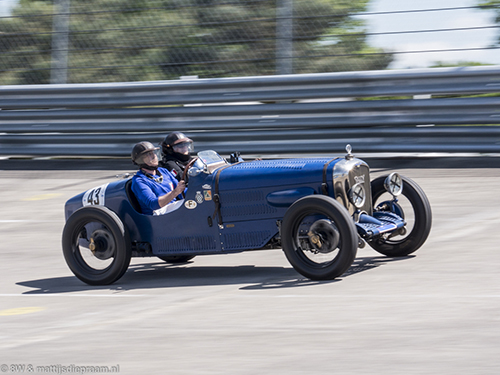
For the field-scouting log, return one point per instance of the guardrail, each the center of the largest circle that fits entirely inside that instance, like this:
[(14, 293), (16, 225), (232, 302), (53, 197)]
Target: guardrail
[(375, 111)]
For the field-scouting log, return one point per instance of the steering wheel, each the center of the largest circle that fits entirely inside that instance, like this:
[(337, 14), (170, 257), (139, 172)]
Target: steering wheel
[(189, 165)]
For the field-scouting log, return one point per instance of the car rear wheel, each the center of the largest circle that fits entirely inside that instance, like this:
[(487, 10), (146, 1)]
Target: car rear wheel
[(96, 246), (319, 237), (415, 208)]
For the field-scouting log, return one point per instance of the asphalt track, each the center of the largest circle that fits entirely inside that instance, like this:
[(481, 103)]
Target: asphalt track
[(436, 312)]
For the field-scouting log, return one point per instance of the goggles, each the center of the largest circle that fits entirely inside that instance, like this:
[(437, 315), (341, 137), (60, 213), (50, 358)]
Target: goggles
[(147, 156), (183, 147)]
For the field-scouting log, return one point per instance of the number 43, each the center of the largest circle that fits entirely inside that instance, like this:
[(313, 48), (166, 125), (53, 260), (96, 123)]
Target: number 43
[(93, 197)]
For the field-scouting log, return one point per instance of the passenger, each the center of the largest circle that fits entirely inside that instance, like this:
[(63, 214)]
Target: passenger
[(176, 149), (177, 153), (156, 189)]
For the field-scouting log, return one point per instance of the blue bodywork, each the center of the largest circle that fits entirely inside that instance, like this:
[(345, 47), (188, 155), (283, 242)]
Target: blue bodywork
[(237, 207)]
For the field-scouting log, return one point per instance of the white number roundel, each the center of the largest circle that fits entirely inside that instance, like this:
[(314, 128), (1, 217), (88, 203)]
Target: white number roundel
[(95, 196)]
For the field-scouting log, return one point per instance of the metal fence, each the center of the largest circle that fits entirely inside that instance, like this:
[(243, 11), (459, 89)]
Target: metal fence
[(451, 110), (78, 41)]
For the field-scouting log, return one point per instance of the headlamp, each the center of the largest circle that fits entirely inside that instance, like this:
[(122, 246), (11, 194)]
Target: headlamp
[(357, 195), (394, 184)]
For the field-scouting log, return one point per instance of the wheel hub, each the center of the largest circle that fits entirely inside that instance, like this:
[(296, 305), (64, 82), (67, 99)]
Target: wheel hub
[(323, 236), (102, 244)]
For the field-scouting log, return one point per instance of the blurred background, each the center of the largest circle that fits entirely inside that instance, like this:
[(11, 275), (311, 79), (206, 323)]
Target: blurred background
[(85, 41)]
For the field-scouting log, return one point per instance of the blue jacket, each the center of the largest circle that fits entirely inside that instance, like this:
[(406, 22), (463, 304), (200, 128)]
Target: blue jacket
[(147, 190)]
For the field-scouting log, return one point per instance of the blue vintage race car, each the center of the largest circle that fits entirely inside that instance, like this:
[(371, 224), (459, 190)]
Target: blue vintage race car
[(318, 210)]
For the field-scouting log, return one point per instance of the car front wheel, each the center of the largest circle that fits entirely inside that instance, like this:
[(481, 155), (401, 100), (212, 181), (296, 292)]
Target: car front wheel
[(319, 237)]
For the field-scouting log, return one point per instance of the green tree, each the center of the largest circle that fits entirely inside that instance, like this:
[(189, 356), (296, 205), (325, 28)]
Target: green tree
[(25, 42), (141, 40)]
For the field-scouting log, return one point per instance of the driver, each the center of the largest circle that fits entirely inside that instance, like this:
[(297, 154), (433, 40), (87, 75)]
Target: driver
[(176, 149), (156, 189)]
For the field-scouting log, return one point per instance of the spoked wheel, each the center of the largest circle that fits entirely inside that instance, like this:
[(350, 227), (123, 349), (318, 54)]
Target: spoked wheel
[(96, 246), (176, 258), (319, 237), (414, 207)]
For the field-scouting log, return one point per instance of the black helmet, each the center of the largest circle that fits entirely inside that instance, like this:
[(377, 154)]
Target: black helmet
[(139, 150), (173, 139)]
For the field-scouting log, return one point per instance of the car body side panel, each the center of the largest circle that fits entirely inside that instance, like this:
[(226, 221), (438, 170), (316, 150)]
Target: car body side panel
[(259, 174), (260, 190), (260, 204)]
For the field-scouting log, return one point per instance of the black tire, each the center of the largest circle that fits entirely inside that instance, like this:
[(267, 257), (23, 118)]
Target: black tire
[(112, 251), (177, 258), (323, 216), (417, 212)]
